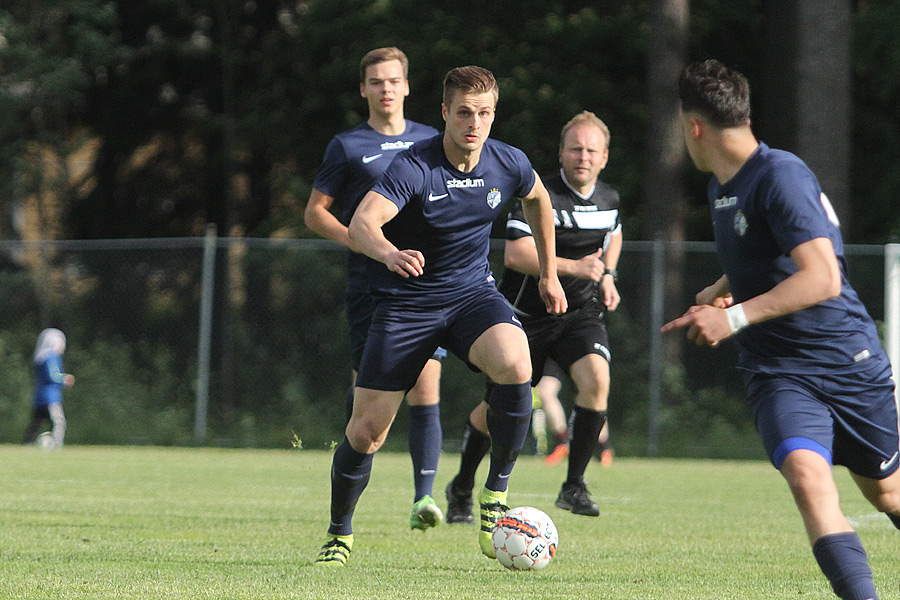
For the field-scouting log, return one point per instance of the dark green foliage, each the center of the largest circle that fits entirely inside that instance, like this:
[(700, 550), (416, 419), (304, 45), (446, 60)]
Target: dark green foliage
[(876, 137), (186, 95)]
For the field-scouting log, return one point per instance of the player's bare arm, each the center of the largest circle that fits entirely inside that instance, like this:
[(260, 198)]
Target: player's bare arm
[(539, 216), (817, 279), (610, 259), (521, 255), (366, 234), (319, 218)]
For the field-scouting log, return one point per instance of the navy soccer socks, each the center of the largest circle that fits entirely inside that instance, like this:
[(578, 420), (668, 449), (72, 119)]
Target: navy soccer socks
[(844, 562), (350, 471), (508, 418), (425, 438)]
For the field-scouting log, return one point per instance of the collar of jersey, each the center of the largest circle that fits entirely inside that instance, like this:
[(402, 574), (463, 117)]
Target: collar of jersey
[(574, 191)]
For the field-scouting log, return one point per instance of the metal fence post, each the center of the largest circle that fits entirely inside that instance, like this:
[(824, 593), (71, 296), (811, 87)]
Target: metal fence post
[(204, 338), (892, 307), (657, 309)]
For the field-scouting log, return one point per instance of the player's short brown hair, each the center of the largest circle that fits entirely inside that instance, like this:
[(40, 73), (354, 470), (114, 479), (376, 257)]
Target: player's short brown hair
[(469, 80), (380, 55)]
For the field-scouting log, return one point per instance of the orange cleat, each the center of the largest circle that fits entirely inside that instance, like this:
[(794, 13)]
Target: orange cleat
[(606, 457), (560, 452)]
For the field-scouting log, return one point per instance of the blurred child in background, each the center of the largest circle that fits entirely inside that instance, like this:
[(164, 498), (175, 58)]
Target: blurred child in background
[(49, 382)]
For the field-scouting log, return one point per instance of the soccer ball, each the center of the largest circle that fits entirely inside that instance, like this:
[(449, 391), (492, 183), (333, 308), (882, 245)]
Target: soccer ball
[(525, 538), (45, 441)]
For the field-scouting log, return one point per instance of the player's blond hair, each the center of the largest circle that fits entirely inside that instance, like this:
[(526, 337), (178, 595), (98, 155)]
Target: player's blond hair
[(380, 55), (469, 80), (584, 118)]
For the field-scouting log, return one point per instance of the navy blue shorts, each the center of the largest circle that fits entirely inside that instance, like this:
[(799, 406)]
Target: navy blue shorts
[(850, 419), (359, 305), (566, 338), (403, 335)]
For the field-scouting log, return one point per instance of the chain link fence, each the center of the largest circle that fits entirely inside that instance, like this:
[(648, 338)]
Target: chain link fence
[(270, 368)]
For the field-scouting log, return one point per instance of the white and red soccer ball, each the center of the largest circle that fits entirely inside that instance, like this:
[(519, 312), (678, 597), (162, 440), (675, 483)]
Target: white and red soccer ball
[(524, 539)]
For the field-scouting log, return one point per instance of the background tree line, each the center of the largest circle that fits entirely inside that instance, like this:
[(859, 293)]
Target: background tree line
[(150, 118)]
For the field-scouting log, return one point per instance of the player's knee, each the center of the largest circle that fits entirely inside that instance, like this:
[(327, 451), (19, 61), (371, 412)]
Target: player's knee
[(423, 395), (511, 371), (593, 396), (806, 475), (364, 436)]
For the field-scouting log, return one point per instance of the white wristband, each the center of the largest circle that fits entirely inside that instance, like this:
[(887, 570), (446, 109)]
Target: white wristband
[(736, 317)]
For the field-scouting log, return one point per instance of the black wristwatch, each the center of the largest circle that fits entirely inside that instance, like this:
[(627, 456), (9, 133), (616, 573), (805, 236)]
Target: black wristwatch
[(613, 272)]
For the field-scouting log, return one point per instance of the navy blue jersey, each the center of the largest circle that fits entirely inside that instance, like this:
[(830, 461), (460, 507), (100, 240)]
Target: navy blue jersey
[(771, 206), (353, 162), (583, 226), (447, 214)]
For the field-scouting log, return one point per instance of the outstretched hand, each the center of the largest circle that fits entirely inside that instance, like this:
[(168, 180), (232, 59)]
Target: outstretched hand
[(707, 325)]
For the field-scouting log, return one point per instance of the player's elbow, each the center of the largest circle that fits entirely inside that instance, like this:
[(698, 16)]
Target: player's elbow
[(833, 290), (825, 288), (520, 256), (357, 229), (353, 230), (311, 217), (520, 265), (510, 262)]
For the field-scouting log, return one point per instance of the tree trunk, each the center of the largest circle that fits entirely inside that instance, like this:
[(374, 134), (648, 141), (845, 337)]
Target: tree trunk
[(806, 104), (664, 200)]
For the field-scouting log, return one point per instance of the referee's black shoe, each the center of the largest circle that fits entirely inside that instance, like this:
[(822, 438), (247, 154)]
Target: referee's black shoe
[(574, 497), (459, 505)]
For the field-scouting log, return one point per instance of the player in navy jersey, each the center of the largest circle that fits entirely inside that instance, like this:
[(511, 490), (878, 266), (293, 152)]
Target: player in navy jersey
[(818, 382), (427, 223), (588, 245), (353, 162)]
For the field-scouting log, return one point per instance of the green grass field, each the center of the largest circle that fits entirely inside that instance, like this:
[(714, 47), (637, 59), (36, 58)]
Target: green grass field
[(114, 523)]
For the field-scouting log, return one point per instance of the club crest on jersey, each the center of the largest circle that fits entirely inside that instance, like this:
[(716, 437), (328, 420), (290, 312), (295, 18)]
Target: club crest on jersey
[(494, 197), (740, 223)]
